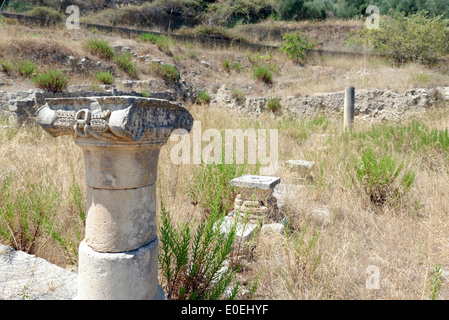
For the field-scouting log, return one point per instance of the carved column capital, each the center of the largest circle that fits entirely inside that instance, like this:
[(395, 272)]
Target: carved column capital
[(120, 120)]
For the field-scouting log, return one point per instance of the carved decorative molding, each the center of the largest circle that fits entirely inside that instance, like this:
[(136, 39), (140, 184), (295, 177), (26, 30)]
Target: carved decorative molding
[(115, 119)]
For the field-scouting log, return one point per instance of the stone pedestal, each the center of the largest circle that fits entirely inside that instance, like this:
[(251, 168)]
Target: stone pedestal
[(255, 199), (303, 169), (120, 138)]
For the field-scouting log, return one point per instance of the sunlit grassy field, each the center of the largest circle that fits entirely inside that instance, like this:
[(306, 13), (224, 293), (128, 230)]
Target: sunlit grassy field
[(403, 236)]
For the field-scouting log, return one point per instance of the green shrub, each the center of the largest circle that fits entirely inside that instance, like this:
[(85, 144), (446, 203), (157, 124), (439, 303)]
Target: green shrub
[(105, 77), (163, 42), (210, 178), (238, 94), (274, 105), (169, 73), (51, 16), (402, 38), (6, 66), (232, 12), (25, 68), (125, 63), (379, 178), (100, 48), (435, 283), (263, 74), (286, 9), (296, 45), (203, 97), (237, 66), (194, 263), (52, 80), (265, 61), (226, 65)]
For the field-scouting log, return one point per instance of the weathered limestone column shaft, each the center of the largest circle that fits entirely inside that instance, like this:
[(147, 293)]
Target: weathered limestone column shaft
[(349, 108), (120, 138)]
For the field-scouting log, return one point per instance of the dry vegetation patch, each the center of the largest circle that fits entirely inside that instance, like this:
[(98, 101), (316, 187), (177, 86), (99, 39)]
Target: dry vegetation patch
[(404, 240)]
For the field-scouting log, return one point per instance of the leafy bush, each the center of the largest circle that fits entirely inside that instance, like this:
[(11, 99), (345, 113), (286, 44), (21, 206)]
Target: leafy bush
[(25, 68), (51, 16), (296, 45), (379, 178), (105, 77), (403, 38), (126, 64), (194, 263), (100, 48), (263, 74), (317, 10), (52, 80), (203, 97), (169, 73), (232, 12), (286, 9)]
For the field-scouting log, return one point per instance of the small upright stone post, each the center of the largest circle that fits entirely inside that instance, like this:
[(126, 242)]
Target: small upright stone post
[(121, 138), (349, 108)]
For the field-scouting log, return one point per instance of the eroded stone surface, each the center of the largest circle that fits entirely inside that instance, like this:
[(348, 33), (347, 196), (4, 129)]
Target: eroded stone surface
[(26, 277), (114, 119), (128, 275), (255, 182), (120, 220)]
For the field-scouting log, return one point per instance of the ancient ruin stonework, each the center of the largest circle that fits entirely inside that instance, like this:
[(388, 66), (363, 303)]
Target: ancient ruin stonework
[(255, 200), (120, 138)]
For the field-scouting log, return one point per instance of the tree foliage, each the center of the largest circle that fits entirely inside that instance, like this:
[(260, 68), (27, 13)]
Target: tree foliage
[(402, 38)]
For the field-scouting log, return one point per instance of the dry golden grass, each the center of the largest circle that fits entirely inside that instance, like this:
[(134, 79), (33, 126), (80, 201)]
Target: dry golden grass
[(404, 242)]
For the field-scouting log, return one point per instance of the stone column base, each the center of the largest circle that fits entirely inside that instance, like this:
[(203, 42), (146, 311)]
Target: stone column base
[(127, 275)]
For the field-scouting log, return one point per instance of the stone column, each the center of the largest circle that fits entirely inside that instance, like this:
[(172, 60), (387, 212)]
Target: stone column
[(349, 108), (120, 138)]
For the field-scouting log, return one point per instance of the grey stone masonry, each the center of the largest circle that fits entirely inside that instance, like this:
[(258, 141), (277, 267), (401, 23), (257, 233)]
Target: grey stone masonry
[(255, 199)]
